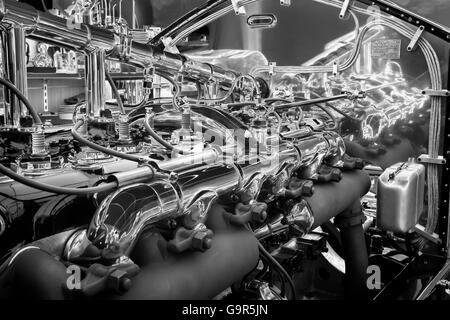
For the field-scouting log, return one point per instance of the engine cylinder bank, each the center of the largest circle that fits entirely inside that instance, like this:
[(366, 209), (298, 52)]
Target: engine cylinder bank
[(163, 276), (220, 175)]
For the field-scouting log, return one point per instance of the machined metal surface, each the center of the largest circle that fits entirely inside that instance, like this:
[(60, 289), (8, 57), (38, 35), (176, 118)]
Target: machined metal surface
[(272, 185)]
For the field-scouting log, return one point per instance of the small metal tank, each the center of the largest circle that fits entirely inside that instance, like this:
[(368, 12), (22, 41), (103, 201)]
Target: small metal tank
[(400, 196)]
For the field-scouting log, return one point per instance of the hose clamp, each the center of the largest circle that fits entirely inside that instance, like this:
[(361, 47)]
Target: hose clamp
[(415, 39), (427, 159), (436, 93)]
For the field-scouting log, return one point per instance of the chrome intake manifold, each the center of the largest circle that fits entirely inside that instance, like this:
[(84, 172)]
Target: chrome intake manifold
[(196, 195)]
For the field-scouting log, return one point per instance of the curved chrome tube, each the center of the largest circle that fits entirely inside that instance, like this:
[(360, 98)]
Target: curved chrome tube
[(123, 215), (85, 38)]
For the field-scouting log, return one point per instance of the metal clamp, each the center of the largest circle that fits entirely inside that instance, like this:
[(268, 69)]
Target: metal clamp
[(179, 77), (211, 78), (433, 237), (427, 159), (239, 9), (149, 73), (344, 14), (168, 47), (272, 67), (436, 93), (285, 3), (335, 69), (45, 91), (413, 44)]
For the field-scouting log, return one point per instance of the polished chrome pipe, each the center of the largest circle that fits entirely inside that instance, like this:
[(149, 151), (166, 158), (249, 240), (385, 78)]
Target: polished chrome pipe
[(95, 82), (85, 38), (15, 70), (123, 215)]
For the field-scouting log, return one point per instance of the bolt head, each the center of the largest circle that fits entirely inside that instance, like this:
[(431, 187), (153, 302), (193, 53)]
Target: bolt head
[(173, 177), (308, 189), (336, 175), (202, 241)]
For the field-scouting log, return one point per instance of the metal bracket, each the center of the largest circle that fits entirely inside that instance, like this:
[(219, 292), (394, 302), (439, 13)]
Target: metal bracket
[(413, 44), (344, 14), (436, 93), (272, 67), (45, 91), (168, 47), (239, 9), (426, 159), (149, 75), (335, 69), (149, 80), (431, 237)]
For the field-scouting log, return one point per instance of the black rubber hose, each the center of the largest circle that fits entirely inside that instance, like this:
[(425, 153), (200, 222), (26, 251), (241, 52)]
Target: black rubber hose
[(25, 101), (280, 276), (242, 104), (337, 110), (184, 21), (144, 103), (116, 92), (355, 256), (107, 187), (104, 150), (330, 199), (310, 102), (333, 118), (161, 141), (274, 100)]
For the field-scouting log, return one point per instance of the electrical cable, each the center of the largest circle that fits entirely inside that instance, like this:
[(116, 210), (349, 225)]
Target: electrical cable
[(106, 187), (334, 109), (275, 100), (37, 120), (280, 277), (269, 259), (160, 140), (280, 268), (203, 21), (44, 6), (142, 104), (310, 102), (181, 22), (329, 114), (116, 92)]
